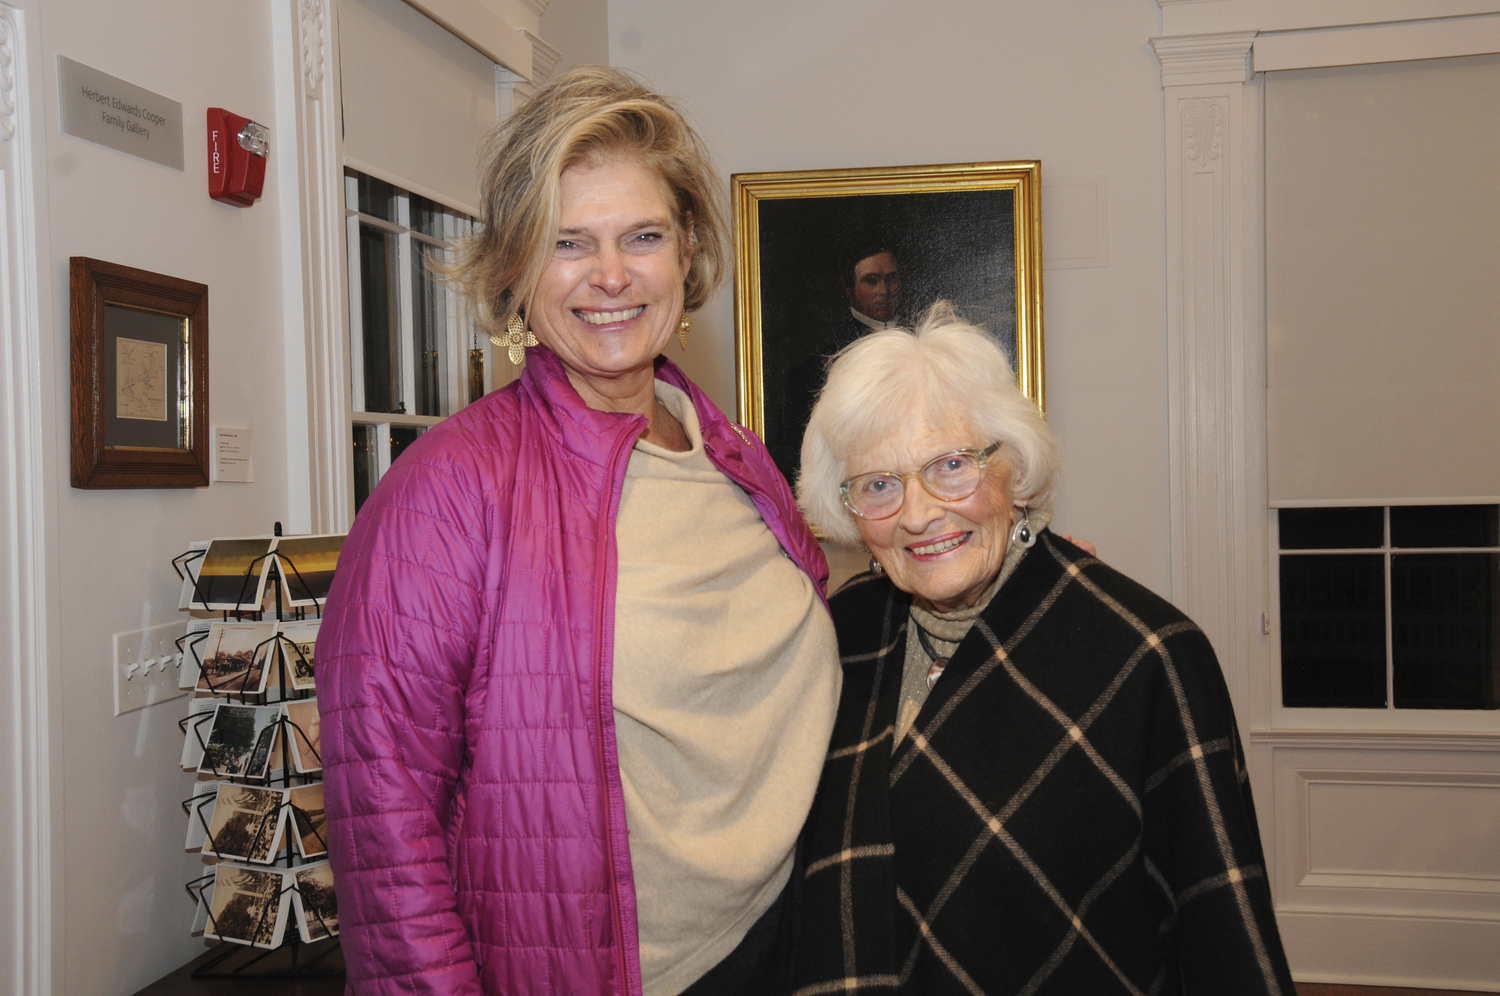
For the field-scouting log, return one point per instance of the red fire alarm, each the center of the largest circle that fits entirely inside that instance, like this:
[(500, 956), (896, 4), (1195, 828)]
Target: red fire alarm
[(237, 151)]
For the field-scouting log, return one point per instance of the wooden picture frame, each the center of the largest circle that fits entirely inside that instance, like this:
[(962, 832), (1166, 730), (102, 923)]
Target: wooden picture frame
[(967, 232), (139, 377)]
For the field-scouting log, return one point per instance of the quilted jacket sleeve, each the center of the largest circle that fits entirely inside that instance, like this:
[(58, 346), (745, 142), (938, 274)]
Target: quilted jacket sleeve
[(395, 651)]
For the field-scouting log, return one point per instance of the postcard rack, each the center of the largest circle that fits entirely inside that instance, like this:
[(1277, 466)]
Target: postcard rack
[(253, 731)]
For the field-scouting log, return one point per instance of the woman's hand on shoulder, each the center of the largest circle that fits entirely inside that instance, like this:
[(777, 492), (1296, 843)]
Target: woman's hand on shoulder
[(1083, 545)]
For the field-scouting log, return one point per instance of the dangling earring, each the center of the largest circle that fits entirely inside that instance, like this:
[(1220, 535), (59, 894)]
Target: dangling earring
[(875, 568), (682, 330), (517, 337), (1022, 533)]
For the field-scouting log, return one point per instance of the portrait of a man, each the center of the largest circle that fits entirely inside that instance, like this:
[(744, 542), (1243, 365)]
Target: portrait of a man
[(829, 270)]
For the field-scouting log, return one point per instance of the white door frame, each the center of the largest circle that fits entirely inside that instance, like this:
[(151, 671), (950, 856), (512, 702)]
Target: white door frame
[(28, 956)]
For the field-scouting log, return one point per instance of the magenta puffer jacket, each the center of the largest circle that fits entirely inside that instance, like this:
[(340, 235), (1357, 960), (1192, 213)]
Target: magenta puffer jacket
[(475, 816)]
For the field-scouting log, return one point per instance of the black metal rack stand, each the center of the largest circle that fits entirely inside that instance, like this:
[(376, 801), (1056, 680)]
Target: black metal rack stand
[(294, 957)]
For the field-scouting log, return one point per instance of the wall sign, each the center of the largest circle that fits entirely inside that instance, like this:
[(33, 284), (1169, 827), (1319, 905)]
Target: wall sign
[(108, 111)]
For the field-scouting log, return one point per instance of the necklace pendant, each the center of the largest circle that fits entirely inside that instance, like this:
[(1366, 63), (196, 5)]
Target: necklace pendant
[(936, 671)]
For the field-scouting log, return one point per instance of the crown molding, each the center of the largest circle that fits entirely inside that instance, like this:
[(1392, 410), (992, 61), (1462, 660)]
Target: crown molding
[(544, 57), (1188, 60)]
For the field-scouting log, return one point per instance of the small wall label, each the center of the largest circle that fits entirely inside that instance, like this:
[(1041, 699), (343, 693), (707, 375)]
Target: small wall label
[(232, 460), (108, 111)]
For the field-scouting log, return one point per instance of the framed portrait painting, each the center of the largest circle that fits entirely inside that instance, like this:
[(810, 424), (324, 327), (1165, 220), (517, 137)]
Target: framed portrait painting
[(825, 256), (139, 361)]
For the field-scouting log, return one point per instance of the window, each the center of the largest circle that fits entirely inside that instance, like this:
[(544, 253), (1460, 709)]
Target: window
[(414, 354), (1391, 607)]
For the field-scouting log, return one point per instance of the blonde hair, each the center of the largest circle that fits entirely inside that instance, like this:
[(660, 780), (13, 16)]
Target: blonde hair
[(587, 115), (948, 370)]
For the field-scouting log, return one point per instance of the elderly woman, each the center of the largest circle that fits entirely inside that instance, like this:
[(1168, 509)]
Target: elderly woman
[(576, 671), (1034, 785)]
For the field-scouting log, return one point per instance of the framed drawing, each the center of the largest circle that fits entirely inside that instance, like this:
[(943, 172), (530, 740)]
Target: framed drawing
[(823, 256), (139, 377)]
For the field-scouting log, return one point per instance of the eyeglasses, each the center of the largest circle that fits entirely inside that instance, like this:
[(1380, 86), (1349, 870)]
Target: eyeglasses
[(950, 477)]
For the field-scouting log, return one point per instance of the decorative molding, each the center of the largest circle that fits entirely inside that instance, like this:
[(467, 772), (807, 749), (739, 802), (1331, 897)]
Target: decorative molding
[(325, 306), (1439, 38), (315, 41), (1330, 740), (1196, 17), (544, 57), (1202, 131), (26, 944), (7, 76), (537, 7), (1187, 60)]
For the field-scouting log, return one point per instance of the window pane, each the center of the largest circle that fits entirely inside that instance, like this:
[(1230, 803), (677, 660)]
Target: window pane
[(364, 464), (1443, 622), (376, 197), (1331, 528), (1333, 630), (382, 323), (403, 436), (1445, 525), (430, 334), (426, 216)]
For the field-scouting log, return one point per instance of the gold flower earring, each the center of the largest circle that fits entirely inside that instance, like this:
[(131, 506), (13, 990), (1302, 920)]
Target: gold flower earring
[(682, 330), (517, 337)]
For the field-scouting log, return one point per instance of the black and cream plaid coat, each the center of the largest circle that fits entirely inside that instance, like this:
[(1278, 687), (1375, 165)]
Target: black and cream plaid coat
[(1069, 814)]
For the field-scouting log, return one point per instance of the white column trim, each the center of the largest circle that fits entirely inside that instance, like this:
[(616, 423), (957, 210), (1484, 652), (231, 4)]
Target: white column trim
[(1193, 59), (26, 952), (1214, 358), (320, 189)]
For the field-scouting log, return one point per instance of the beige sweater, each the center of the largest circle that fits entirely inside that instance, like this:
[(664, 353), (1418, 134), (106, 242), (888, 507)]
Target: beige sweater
[(726, 682)]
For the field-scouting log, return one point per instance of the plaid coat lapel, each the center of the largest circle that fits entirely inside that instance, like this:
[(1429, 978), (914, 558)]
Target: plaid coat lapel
[(1067, 815)]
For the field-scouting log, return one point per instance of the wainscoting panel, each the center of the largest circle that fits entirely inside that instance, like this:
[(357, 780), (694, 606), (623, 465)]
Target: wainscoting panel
[(1387, 867)]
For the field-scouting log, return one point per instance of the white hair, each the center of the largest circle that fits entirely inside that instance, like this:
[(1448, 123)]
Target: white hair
[(948, 370)]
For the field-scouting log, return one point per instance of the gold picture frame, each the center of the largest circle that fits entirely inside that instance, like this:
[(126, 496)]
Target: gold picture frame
[(968, 232)]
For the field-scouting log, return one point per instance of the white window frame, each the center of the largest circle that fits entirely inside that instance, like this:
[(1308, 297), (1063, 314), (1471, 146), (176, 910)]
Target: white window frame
[(462, 335), (1391, 717)]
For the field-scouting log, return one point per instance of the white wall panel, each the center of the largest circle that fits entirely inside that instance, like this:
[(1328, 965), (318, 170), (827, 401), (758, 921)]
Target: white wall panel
[(1402, 829), (784, 85), (1407, 827), (116, 785)]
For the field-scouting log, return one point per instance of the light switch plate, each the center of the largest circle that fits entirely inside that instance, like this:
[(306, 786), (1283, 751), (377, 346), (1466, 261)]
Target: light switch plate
[(147, 663)]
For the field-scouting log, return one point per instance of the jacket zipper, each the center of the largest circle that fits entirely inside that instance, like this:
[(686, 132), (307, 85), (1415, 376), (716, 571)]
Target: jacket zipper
[(606, 529)]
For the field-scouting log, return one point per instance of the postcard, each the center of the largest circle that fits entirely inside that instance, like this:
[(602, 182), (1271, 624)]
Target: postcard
[(248, 907), (307, 564), (247, 825), (200, 809), (233, 574), (307, 745), (199, 721), (309, 820), (317, 905), (235, 657), (298, 640), (192, 653), (240, 741), (190, 565)]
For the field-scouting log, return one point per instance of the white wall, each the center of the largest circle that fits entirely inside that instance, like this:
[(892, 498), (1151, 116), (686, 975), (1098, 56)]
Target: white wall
[(579, 29), (116, 787), (784, 85)]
